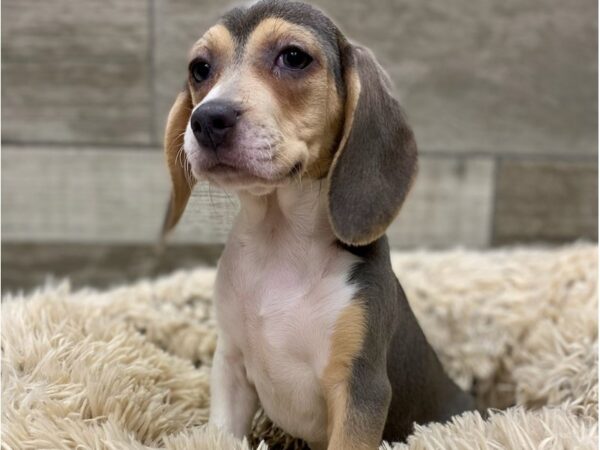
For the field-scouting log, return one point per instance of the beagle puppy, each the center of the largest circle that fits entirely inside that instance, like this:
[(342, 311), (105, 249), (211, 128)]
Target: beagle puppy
[(280, 108)]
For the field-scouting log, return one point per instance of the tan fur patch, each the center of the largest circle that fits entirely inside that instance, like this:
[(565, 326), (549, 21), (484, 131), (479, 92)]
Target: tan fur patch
[(353, 88), (346, 343), (308, 110), (334, 118), (218, 47), (182, 181), (217, 39), (274, 30)]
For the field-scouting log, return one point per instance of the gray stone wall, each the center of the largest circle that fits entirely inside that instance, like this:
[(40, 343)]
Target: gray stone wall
[(502, 96)]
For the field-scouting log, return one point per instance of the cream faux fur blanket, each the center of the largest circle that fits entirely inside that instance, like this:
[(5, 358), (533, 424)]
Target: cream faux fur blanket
[(129, 368)]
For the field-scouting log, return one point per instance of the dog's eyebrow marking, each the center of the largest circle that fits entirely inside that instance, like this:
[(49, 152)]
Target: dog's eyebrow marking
[(218, 40), (273, 29), (241, 22)]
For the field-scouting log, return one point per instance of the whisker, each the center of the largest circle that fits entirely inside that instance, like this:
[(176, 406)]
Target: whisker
[(210, 198), (176, 138), (179, 156)]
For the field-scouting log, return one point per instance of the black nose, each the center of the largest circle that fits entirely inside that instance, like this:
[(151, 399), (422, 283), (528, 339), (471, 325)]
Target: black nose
[(212, 122)]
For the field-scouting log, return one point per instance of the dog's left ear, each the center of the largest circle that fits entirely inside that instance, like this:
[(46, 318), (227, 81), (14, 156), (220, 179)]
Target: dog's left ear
[(376, 161), (181, 180)]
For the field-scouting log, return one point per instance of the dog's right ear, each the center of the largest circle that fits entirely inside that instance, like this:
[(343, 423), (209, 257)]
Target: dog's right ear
[(181, 179)]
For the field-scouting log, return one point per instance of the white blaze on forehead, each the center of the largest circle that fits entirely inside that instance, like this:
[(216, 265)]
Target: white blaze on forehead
[(213, 94)]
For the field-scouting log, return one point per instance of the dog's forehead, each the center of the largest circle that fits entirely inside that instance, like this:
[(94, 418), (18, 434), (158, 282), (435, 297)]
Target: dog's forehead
[(241, 22)]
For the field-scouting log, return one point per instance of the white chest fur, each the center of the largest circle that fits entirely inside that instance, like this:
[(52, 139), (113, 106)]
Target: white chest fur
[(282, 284)]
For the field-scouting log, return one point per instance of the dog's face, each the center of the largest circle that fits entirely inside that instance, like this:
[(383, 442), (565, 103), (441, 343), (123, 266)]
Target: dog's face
[(267, 97), (275, 92)]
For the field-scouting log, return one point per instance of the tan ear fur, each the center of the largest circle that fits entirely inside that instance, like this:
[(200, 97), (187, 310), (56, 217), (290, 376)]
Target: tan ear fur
[(376, 162), (181, 178)]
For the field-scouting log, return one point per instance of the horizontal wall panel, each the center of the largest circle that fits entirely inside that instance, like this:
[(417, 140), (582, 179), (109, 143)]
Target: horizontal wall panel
[(546, 201), (450, 204), (119, 195), (76, 71)]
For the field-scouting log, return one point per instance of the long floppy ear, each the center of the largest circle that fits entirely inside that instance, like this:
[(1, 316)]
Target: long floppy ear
[(376, 162), (181, 179)]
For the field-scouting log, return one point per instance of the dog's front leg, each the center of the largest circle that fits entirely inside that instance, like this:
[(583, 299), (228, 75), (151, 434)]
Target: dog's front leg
[(233, 400), (358, 418), (358, 408), (355, 385)]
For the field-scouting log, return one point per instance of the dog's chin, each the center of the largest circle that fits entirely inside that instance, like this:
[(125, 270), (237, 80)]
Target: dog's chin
[(234, 178)]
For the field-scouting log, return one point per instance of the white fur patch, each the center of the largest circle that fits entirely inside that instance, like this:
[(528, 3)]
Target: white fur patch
[(281, 285)]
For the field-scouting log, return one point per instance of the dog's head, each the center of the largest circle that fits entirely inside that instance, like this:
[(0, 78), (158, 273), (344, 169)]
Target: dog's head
[(275, 92)]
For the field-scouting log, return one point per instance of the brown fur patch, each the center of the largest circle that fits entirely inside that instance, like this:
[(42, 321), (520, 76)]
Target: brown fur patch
[(217, 39), (353, 88), (217, 47), (273, 31), (335, 117), (346, 343), (182, 181), (308, 109)]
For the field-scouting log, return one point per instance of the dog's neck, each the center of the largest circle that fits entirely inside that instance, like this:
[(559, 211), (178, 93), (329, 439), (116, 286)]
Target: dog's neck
[(297, 210)]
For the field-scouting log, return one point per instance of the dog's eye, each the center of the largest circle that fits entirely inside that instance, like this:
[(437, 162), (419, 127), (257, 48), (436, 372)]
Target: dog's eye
[(294, 58), (200, 70)]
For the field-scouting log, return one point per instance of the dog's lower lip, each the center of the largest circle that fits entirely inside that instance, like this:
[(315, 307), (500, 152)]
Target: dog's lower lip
[(228, 172)]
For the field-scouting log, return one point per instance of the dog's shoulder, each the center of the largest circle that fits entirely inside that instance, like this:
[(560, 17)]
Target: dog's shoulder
[(377, 286)]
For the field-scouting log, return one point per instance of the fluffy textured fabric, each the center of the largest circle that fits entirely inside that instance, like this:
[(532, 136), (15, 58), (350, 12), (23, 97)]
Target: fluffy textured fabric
[(129, 368)]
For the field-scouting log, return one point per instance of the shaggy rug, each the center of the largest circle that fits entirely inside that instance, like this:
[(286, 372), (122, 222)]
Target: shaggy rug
[(129, 368)]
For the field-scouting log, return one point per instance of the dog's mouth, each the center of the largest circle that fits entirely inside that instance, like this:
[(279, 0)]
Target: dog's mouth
[(228, 172), (235, 175)]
